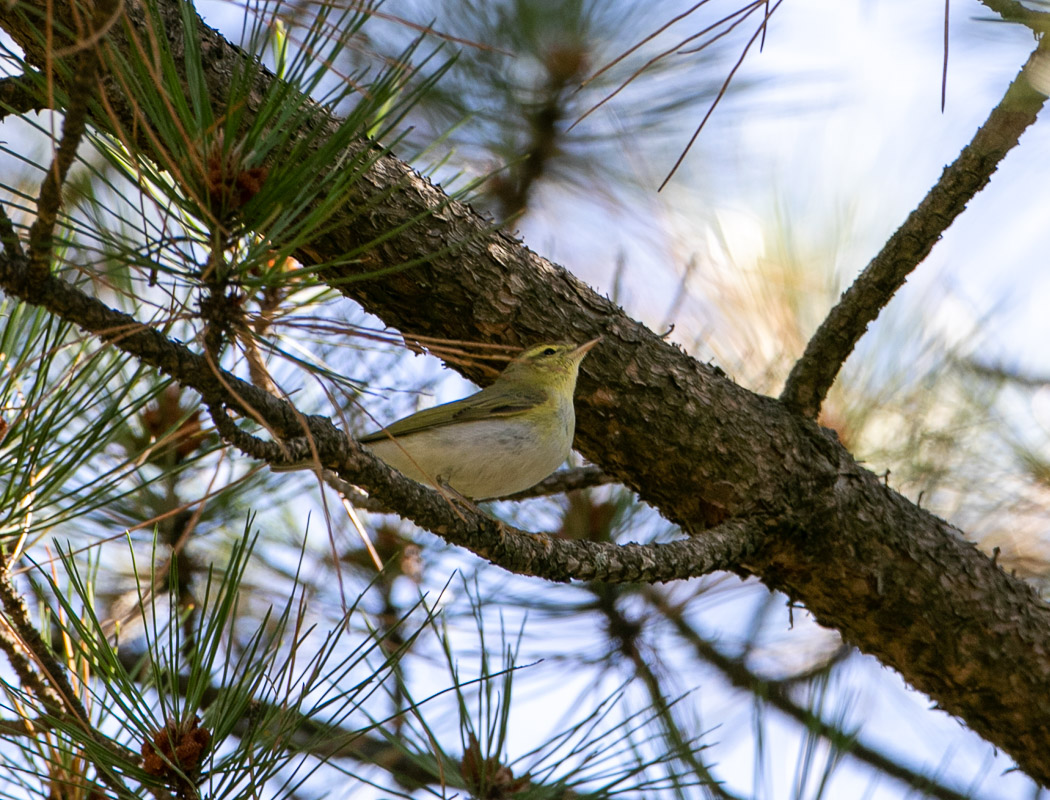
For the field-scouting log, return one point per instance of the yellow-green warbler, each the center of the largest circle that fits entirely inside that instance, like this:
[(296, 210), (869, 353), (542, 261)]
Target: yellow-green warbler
[(504, 439)]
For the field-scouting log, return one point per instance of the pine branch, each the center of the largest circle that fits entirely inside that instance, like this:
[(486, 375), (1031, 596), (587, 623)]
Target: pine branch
[(541, 555), (625, 636), (74, 125), (813, 374), (895, 580), (775, 693), (40, 671), (311, 736)]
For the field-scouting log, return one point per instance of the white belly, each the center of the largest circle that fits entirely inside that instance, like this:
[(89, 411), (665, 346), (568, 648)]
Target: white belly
[(482, 459)]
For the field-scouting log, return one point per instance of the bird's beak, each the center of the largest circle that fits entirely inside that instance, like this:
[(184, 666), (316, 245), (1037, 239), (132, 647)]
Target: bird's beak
[(584, 348)]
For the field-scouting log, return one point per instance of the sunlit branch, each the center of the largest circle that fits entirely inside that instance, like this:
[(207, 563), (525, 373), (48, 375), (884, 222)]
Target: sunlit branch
[(815, 372), (540, 555)]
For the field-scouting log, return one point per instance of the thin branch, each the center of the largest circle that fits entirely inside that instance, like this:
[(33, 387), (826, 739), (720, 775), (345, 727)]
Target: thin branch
[(317, 738), (760, 32), (324, 740), (541, 555), (58, 697), (1004, 374), (538, 554), (814, 373), (568, 480), (944, 66), (14, 647), (49, 681), (625, 635), (775, 693), (73, 127)]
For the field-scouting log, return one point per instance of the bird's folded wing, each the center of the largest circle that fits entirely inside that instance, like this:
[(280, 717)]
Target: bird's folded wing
[(482, 405)]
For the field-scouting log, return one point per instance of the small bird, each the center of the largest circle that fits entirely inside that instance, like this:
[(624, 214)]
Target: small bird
[(504, 439)]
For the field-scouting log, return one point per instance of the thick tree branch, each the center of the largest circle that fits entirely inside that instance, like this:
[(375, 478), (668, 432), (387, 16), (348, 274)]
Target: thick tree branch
[(896, 581), (815, 371)]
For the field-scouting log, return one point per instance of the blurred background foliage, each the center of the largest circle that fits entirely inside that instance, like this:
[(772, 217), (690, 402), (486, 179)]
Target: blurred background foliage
[(245, 603)]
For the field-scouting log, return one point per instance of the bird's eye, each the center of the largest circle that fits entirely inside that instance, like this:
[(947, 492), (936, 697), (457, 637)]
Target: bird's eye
[(549, 351)]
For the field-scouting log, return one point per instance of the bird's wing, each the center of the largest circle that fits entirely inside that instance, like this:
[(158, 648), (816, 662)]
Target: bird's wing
[(483, 405)]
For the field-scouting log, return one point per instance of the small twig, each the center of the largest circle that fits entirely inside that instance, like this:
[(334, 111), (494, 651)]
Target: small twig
[(944, 68), (1004, 374), (814, 373), (759, 32), (73, 127), (353, 495), (216, 306), (625, 634), (774, 692), (569, 480), (49, 681)]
